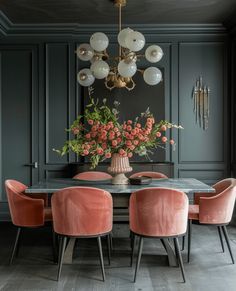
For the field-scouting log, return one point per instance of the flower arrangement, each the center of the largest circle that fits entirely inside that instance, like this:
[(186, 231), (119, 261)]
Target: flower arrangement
[(98, 133)]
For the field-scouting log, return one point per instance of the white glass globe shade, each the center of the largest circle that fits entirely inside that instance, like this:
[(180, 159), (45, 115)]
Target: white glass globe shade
[(123, 34), (127, 70), (85, 77), (99, 41), (135, 41), (100, 69), (153, 53), (84, 52), (152, 76)]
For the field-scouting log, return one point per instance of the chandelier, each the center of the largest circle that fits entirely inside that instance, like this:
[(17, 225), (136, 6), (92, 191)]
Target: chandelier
[(118, 70)]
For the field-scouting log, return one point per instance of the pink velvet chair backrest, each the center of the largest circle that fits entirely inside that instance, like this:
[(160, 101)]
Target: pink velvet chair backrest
[(82, 211), (155, 175), (218, 209), (25, 211), (92, 175), (159, 212)]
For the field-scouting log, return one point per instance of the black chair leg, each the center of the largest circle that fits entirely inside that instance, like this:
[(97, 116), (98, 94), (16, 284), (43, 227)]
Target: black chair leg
[(140, 248), (54, 247), (228, 242), (15, 245), (189, 238), (221, 239), (111, 241), (132, 250), (109, 250), (176, 254), (183, 243), (176, 242), (61, 255), (101, 257)]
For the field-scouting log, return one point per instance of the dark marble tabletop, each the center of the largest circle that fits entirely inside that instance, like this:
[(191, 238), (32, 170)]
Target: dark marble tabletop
[(187, 185)]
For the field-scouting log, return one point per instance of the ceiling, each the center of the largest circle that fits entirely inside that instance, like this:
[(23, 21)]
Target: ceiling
[(104, 12)]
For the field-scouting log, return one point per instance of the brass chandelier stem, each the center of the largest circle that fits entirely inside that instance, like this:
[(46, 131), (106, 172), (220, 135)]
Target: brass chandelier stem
[(120, 29)]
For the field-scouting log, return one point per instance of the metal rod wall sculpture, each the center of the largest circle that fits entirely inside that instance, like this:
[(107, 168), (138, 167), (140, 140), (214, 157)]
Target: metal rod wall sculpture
[(201, 98)]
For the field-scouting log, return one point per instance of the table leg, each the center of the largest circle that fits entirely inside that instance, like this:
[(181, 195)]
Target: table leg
[(68, 255), (170, 252)]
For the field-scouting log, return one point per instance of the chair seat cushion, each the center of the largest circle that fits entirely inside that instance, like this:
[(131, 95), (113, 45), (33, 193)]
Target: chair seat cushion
[(193, 212), (47, 214)]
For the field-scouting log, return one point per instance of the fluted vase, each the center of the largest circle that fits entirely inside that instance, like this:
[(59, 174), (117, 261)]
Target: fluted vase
[(119, 166)]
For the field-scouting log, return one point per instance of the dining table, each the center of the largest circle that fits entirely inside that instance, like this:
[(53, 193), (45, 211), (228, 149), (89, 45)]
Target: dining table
[(121, 194)]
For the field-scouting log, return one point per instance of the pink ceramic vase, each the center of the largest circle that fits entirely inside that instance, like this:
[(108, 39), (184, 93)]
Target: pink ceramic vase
[(119, 166)]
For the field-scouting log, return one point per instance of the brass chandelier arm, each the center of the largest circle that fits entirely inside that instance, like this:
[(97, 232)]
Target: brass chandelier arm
[(140, 70)]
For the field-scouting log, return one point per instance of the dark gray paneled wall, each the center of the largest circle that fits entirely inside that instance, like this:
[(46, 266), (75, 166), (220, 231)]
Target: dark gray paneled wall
[(198, 147), (38, 81), (233, 103)]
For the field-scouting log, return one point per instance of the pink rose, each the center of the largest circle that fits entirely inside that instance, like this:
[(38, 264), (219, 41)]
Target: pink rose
[(149, 124), (114, 143), (99, 151), (140, 136), (172, 142), (130, 155), (94, 128), (108, 155), (132, 147), (90, 122), (111, 124), (129, 127), (158, 134), (85, 152), (163, 128), (129, 122), (128, 142), (88, 136), (164, 139), (121, 152), (75, 130), (133, 132), (135, 142)]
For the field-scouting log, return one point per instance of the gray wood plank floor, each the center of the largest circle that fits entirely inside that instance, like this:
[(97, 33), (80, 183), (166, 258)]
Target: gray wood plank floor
[(33, 269)]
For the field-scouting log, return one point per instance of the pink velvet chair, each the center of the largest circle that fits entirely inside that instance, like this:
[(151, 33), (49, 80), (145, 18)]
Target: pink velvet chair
[(158, 213), (82, 212), (92, 175), (25, 211), (214, 209), (155, 175)]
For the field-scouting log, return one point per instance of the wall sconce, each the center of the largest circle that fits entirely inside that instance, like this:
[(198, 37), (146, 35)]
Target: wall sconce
[(201, 96)]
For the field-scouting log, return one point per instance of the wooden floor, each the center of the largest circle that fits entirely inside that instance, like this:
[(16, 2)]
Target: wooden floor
[(33, 269)]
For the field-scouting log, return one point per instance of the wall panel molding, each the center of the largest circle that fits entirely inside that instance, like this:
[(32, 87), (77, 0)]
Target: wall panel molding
[(204, 59), (57, 82)]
